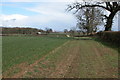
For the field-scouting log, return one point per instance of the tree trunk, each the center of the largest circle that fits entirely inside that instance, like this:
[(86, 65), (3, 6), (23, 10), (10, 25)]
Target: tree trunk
[(109, 22)]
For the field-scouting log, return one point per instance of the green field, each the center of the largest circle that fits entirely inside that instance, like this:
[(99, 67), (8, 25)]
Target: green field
[(26, 49), (57, 57)]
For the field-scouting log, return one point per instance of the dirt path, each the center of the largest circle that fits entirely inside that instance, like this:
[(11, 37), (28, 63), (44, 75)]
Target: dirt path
[(94, 61), (75, 59)]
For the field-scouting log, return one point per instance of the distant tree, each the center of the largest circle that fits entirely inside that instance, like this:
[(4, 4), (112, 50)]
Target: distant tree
[(48, 30), (72, 31), (88, 19), (65, 31), (108, 5)]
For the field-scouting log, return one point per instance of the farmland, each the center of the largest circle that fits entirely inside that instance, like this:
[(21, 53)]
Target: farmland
[(57, 57), (21, 49)]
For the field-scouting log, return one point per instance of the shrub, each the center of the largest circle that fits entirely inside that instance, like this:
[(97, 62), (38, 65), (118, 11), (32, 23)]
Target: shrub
[(113, 37)]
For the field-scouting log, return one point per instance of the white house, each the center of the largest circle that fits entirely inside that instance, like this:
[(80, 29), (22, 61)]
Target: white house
[(38, 32)]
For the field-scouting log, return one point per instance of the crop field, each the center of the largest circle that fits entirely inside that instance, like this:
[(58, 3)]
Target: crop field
[(57, 57), (26, 49)]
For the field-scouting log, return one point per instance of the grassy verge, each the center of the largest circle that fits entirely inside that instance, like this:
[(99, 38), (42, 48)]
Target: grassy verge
[(108, 44)]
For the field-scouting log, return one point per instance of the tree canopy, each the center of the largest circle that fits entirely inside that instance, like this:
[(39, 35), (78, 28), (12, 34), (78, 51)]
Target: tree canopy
[(112, 6)]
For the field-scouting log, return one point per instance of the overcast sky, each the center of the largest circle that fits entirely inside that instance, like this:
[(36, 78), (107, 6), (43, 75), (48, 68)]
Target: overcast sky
[(39, 14)]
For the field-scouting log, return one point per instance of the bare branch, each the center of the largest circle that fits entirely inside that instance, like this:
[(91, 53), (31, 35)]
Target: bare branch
[(95, 6)]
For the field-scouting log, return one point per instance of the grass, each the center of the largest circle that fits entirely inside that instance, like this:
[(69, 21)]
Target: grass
[(97, 60), (16, 49), (91, 60), (78, 58), (108, 44), (14, 71)]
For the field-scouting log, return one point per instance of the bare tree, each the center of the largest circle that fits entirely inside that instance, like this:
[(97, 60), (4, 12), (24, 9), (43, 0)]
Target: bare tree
[(65, 31), (112, 7), (48, 30), (72, 31), (88, 19)]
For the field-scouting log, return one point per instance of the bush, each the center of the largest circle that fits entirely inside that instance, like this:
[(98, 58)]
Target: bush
[(113, 37)]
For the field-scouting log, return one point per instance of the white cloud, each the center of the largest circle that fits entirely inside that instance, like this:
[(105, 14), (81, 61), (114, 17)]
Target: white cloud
[(13, 16), (39, 21), (11, 20)]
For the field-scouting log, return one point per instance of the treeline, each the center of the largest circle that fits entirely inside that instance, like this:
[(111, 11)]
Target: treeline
[(18, 30)]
